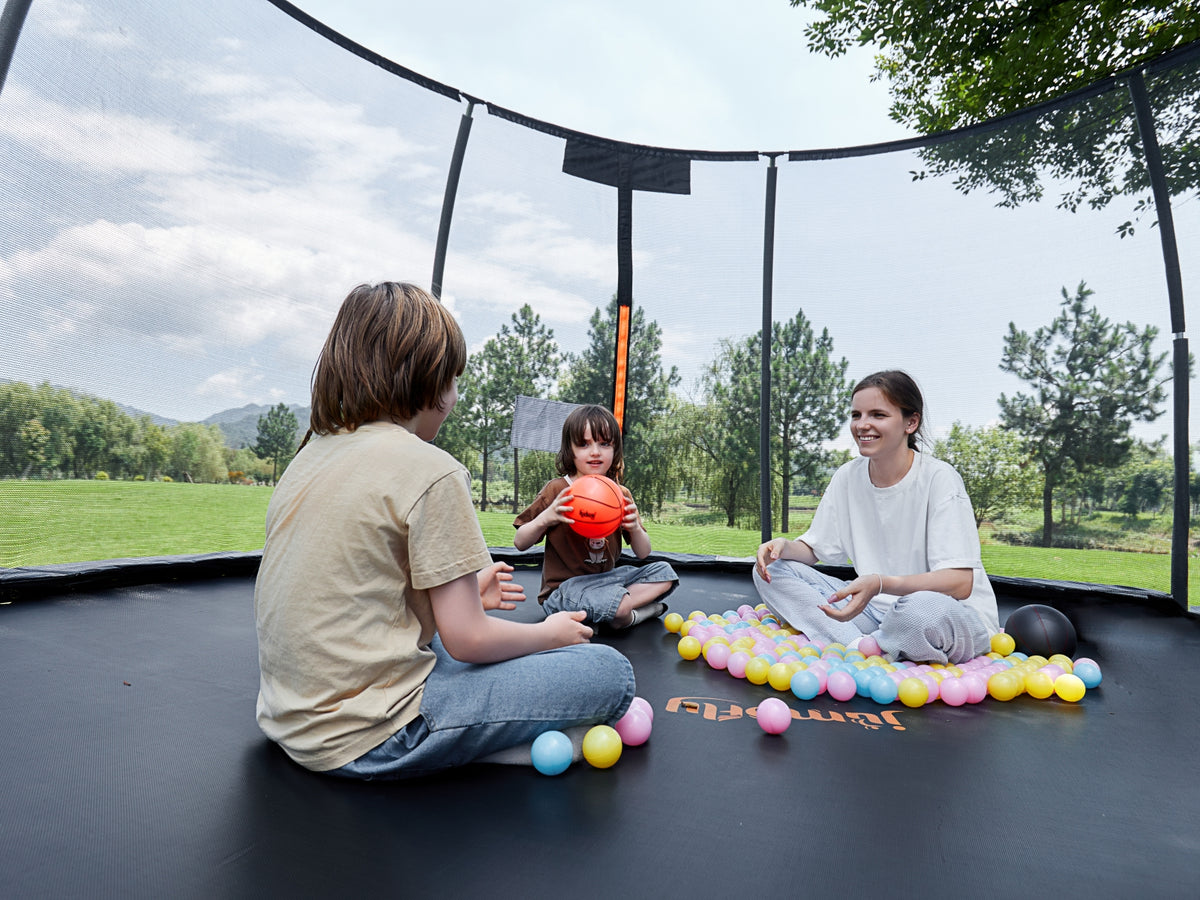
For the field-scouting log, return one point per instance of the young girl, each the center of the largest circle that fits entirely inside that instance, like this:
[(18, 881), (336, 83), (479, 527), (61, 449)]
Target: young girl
[(372, 596), (581, 573), (903, 519)]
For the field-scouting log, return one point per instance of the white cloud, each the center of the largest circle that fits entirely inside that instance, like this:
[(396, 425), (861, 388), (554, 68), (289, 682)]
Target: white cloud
[(77, 22), (102, 141)]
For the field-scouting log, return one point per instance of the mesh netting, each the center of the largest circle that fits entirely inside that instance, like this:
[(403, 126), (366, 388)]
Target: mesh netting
[(188, 194)]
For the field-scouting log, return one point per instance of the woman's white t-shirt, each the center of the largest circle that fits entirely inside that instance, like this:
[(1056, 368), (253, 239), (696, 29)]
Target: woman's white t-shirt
[(922, 523)]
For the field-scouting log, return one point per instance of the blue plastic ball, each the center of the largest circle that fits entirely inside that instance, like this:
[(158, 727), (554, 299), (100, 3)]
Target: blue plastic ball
[(806, 684), (1089, 674), (863, 679), (551, 753), (884, 690)]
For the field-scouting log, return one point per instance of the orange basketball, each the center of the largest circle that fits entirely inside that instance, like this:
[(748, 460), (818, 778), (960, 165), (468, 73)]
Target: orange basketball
[(598, 506)]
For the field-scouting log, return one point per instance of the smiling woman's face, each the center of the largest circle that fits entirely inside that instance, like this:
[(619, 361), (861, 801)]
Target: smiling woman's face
[(877, 425)]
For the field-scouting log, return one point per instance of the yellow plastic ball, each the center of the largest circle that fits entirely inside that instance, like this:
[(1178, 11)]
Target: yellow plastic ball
[(1005, 685), (1069, 687), (602, 746), (1039, 685), (1003, 644), (673, 622), (779, 676), (1063, 662), (758, 670), (913, 692), (689, 647), (686, 627)]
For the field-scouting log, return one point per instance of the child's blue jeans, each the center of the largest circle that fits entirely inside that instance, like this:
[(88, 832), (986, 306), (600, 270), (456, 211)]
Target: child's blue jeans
[(471, 711)]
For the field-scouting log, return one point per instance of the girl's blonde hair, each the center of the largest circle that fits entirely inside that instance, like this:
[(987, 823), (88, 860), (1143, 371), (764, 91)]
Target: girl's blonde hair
[(604, 427), (393, 350)]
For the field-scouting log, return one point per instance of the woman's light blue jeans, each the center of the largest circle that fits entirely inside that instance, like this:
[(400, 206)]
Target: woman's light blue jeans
[(470, 711)]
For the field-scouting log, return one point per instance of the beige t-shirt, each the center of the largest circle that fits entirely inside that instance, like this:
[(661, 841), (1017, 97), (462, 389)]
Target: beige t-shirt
[(359, 528)]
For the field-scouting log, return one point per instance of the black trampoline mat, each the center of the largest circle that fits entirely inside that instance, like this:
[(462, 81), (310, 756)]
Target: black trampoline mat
[(134, 768)]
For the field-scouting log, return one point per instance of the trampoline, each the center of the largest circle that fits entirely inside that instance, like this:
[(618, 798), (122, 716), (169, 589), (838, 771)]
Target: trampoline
[(134, 768), (133, 764)]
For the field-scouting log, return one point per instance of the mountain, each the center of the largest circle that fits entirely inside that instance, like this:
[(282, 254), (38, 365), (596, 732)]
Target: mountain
[(240, 426)]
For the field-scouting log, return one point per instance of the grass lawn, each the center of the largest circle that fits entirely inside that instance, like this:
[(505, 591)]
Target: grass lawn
[(46, 522)]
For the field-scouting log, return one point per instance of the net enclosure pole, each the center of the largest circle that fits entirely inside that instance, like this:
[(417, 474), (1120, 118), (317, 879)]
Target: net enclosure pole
[(764, 405), (624, 287), (1170, 249), (11, 22), (456, 162)]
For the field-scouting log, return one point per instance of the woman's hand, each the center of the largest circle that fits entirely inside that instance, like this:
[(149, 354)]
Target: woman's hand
[(860, 592), (767, 554)]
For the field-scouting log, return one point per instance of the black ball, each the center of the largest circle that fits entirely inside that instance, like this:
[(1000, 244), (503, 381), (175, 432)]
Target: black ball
[(1041, 630)]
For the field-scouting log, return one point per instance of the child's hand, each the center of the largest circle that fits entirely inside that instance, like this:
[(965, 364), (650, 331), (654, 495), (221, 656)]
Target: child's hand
[(557, 512), (497, 590), (567, 627), (633, 519)]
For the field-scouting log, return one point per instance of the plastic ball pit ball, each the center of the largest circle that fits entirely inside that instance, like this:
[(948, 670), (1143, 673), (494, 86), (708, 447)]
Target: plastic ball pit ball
[(673, 622), (913, 692), (1041, 630), (841, 685), (597, 506), (644, 705), (1003, 643), (1069, 688), (805, 684), (633, 727), (551, 753), (774, 716), (602, 746), (689, 647)]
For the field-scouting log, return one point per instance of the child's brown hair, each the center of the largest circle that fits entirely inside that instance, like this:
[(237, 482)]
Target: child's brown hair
[(604, 427), (393, 350)]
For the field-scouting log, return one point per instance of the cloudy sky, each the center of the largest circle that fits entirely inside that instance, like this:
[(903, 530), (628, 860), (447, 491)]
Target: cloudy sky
[(189, 192)]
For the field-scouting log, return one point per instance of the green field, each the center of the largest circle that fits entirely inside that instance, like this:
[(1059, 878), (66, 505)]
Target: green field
[(46, 522)]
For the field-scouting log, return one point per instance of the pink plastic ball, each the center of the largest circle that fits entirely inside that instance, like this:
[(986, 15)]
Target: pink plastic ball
[(841, 685), (932, 685), (870, 647), (976, 687), (774, 716), (718, 656), (736, 664), (644, 705), (954, 691), (634, 727)]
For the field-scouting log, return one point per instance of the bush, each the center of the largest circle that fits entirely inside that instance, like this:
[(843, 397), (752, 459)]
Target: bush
[(168, 478), (102, 476)]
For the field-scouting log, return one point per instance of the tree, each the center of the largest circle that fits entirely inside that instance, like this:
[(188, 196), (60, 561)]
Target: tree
[(1091, 379), (520, 360), (276, 438), (951, 63), (648, 396), (197, 453), (996, 469), (809, 396)]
